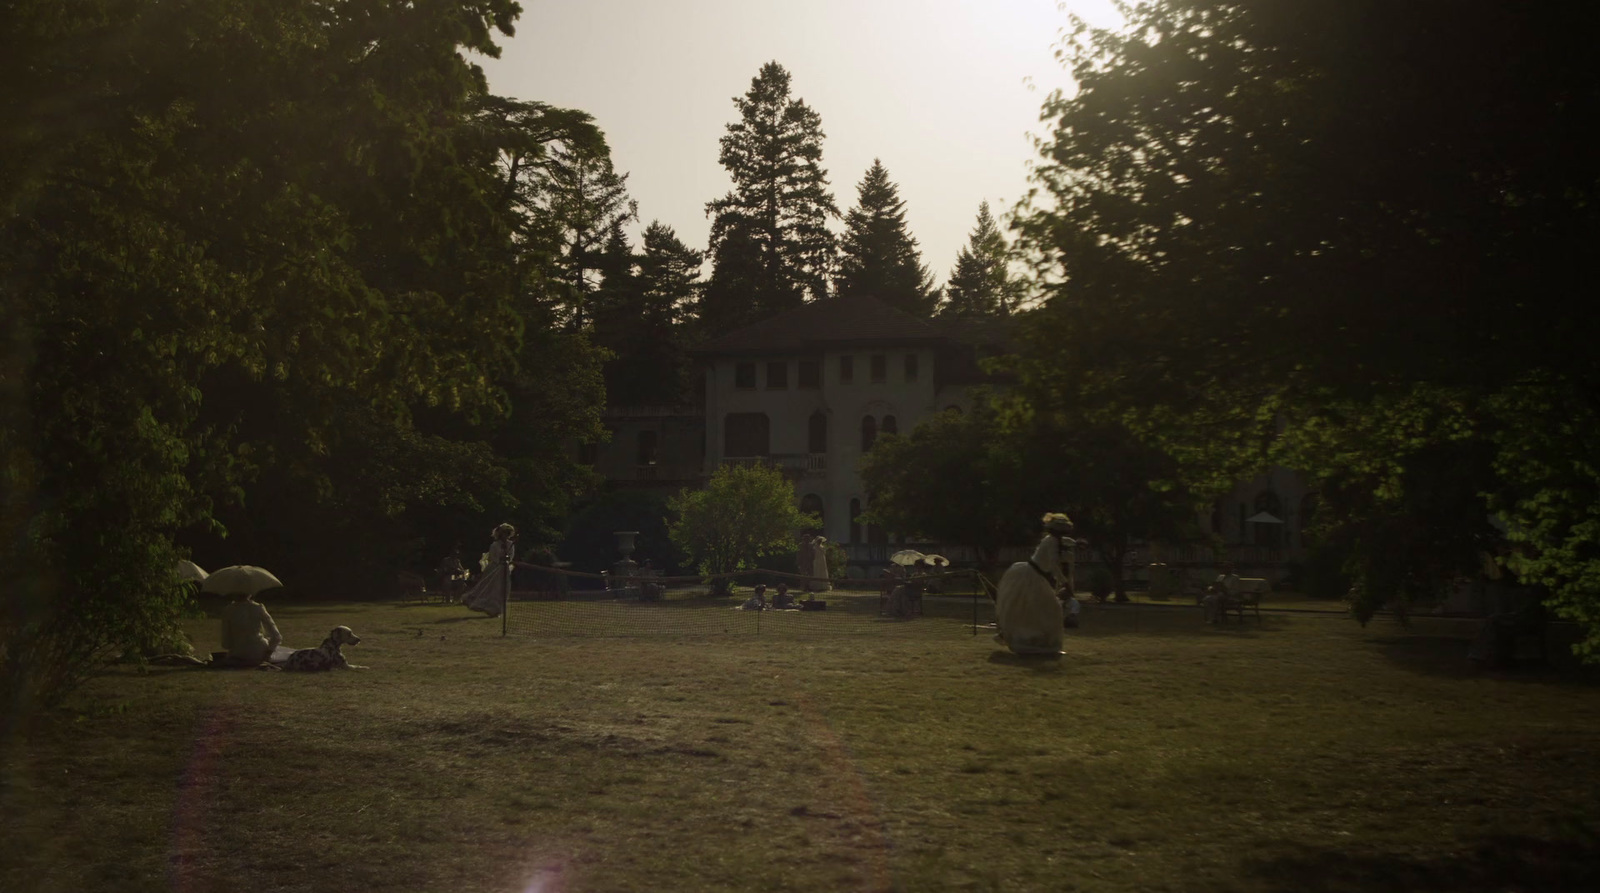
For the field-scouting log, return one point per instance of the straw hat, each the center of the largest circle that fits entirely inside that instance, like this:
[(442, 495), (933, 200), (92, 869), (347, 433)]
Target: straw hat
[(1057, 522)]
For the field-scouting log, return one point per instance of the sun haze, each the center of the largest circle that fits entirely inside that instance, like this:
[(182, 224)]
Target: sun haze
[(945, 92)]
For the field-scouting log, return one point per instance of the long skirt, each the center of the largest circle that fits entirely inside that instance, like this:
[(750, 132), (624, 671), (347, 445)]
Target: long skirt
[(488, 594), (1028, 612)]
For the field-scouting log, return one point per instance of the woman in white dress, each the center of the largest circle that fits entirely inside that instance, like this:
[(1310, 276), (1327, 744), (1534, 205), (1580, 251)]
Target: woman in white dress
[(819, 565), (489, 593), (1027, 610)]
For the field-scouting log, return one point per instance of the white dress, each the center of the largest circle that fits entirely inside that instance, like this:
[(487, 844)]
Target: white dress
[(819, 567), (488, 594), (1027, 611)]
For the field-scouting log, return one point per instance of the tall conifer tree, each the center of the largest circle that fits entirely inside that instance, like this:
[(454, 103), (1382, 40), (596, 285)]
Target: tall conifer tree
[(770, 245), (880, 258), (981, 285)]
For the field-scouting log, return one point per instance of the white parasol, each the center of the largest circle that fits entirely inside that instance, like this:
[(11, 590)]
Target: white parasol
[(1263, 518), (937, 560), (240, 578), (906, 557), (188, 571)]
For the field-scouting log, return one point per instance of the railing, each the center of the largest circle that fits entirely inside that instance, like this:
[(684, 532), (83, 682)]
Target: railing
[(645, 472)]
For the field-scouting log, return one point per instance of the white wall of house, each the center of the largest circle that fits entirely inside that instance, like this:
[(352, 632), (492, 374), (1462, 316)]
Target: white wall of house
[(844, 402)]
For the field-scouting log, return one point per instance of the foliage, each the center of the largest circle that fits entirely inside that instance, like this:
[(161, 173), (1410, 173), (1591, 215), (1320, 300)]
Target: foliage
[(953, 479), (643, 322), (742, 513), (981, 284), (1305, 208), (878, 256), (590, 542), (771, 249), (255, 256)]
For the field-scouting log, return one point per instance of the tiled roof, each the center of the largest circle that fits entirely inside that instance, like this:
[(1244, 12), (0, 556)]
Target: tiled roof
[(853, 320)]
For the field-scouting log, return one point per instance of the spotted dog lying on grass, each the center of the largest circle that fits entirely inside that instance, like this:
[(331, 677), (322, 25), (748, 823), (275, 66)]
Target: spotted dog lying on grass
[(326, 656)]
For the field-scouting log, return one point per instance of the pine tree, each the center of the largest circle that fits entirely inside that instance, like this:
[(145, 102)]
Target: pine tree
[(770, 245), (639, 316), (981, 283), (880, 258)]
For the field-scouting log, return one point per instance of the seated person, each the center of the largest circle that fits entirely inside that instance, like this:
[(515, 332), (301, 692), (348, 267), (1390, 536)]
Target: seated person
[(1220, 595), (243, 622), (783, 599), (758, 601)]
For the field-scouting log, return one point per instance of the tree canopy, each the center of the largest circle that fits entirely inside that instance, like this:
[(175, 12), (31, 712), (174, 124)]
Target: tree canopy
[(981, 284), (878, 256), (742, 514), (263, 269), (771, 249), (1347, 219)]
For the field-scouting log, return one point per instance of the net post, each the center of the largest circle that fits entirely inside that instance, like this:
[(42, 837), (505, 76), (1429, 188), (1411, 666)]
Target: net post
[(505, 610)]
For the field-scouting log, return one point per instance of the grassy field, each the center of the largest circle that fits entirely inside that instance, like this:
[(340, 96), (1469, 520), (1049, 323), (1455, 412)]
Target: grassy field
[(1305, 753)]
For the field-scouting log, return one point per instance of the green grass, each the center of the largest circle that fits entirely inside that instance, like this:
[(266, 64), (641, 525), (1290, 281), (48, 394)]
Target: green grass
[(1306, 753)]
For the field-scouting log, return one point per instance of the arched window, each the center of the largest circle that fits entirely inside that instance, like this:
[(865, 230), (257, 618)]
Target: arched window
[(1268, 534), (817, 433), (890, 426), (1216, 518), (811, 504), (869, 432), (855, 520)]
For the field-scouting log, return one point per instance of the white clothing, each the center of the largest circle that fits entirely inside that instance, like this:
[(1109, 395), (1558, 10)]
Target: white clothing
[(242, 625), (1027, 611), (489, 593), (819, 567)]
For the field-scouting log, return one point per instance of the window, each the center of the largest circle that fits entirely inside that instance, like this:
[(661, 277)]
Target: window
[(869, 432), (880, 367), (810, 374), (817, 433), (744, 375), (745, 434), (778, 375), (855, 520), (847, 370), (911, 367), (1243, 514), (890, 426), (811, 504), (647, 447), (1216, 518)]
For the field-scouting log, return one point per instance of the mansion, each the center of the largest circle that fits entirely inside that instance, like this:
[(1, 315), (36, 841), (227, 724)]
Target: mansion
[(810, 389)]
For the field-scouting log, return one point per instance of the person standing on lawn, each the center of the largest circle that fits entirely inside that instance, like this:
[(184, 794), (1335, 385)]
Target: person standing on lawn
[(489, 594)]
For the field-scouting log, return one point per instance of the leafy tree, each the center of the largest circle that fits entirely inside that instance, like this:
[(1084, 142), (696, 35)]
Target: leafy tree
[(879, 257), (981, 285), (743, 513), (253, 255), (1307, 207), (983, 479), (953, 480), (771, 249)]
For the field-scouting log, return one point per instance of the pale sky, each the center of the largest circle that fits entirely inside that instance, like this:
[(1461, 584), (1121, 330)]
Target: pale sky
[(945, 92)]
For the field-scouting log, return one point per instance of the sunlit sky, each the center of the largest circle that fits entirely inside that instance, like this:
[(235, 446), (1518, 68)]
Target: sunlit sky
[(945, 92)]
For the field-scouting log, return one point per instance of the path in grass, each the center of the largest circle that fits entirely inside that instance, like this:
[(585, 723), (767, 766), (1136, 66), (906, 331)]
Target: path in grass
[(1159, 754)]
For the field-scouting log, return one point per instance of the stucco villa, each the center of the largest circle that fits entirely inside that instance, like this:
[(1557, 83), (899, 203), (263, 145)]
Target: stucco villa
[(810, 389)]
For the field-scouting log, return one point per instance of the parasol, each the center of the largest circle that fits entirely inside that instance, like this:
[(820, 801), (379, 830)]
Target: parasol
[(188, 571), (240, 578), (937, 560), (906, 557)]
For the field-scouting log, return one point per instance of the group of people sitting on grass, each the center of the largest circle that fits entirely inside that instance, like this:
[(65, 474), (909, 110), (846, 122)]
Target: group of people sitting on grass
[(782, 600)]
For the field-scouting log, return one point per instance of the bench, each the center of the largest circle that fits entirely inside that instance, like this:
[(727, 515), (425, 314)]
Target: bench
[(1246, 594)]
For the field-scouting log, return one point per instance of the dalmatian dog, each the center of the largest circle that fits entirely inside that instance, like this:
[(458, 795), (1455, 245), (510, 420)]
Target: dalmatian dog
[(327, 655)]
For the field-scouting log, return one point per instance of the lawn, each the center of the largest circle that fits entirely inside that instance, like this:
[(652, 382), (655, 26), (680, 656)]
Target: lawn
[(1303, 753)]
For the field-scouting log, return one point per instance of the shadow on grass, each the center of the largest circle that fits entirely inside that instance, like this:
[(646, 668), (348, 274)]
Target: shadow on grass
[(1446, 657), (1039, 663), (1524, 864)]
